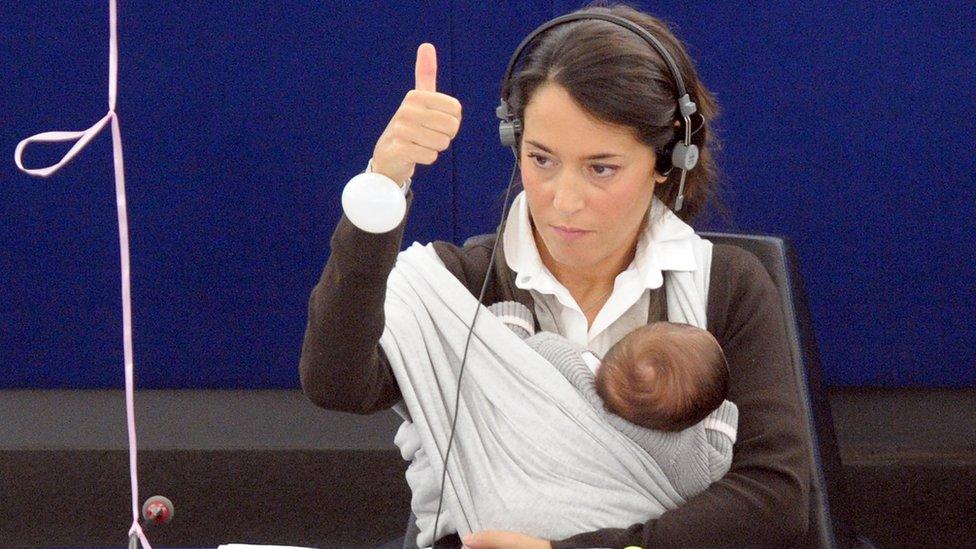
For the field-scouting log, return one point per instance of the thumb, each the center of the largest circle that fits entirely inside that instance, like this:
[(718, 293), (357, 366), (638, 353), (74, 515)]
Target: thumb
[(426, 70)]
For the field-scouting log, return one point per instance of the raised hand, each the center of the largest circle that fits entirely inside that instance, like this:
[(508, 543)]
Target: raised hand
[(422, 127)]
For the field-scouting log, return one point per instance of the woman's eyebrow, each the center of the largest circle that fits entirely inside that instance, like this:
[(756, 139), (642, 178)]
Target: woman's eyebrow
[(600, 156)]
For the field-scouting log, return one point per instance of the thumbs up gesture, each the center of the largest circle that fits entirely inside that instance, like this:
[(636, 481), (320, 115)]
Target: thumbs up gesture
[(421, 128)]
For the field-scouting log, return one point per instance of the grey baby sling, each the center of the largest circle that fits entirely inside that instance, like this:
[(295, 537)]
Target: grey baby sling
[(530, 454)]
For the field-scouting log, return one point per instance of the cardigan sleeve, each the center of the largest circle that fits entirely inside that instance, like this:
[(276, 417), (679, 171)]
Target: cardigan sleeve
[(342, 366), (764, 498)]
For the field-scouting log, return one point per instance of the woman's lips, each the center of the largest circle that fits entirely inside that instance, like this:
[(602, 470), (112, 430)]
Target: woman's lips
[(570, 234)]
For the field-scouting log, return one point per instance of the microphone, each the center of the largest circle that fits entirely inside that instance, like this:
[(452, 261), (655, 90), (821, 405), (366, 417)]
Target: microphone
[(158, 510)]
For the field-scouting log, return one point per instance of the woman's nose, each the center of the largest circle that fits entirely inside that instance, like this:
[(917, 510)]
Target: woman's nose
[(567, 196)]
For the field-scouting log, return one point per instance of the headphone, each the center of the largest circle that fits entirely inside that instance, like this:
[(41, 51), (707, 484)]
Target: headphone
[(684, 156)]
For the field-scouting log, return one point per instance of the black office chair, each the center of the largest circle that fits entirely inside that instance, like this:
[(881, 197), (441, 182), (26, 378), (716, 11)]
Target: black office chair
[(831, 515)]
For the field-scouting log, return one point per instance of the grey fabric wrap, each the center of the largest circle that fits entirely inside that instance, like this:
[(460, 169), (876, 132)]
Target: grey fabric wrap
[(690, 464), (690, 458), (530, 453)]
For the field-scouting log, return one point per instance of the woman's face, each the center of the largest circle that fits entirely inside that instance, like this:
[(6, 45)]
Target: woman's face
[(588, 185)]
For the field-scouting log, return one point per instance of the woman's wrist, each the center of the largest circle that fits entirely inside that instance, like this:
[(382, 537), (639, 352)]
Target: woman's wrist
[(405, 185)]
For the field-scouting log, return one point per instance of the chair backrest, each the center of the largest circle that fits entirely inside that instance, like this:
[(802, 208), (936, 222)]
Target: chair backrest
[(831, 514)]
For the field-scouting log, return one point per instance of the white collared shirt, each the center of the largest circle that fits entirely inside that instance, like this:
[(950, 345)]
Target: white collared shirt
[(663, 245)]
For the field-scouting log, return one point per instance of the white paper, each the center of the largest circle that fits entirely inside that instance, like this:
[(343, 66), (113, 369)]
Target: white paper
[(249, 546)]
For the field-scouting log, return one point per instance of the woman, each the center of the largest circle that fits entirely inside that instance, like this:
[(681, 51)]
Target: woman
[(582, 248)]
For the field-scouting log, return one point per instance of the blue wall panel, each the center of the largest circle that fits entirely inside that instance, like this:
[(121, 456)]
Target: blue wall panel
[(848, 127)]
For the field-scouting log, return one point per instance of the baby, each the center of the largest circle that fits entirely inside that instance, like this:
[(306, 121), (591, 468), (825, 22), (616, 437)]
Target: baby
[(663, 376)]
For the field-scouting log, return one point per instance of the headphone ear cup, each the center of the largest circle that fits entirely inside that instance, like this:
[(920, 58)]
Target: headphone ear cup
[(509, 132), (510, 126), (684, 157)]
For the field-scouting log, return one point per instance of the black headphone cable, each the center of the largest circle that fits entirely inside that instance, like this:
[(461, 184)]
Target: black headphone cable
[(464, 357)]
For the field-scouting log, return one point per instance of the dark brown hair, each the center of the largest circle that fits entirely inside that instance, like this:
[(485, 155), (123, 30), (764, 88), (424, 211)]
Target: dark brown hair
[(619, 78), (665, 375)]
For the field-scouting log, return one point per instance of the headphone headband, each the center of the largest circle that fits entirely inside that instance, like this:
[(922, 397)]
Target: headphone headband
[(615, 19), (684, 154)]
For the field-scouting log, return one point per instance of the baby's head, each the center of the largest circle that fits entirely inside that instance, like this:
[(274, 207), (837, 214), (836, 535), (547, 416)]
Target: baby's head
[(664, 376)]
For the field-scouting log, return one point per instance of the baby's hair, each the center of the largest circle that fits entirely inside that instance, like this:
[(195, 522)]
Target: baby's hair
[(667, 376)]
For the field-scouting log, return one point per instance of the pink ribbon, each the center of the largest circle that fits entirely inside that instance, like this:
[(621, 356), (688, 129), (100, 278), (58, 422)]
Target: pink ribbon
[(82, 138)]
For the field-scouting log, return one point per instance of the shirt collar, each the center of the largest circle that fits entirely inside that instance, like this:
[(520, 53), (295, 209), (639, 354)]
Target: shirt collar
[(521, 253), (664, 245)]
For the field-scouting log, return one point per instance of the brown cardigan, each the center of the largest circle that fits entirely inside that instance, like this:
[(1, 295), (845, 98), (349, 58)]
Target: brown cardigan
[(761, 501)]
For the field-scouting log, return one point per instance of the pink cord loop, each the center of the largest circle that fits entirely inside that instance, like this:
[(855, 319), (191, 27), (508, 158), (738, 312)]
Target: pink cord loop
[(81, 139)]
